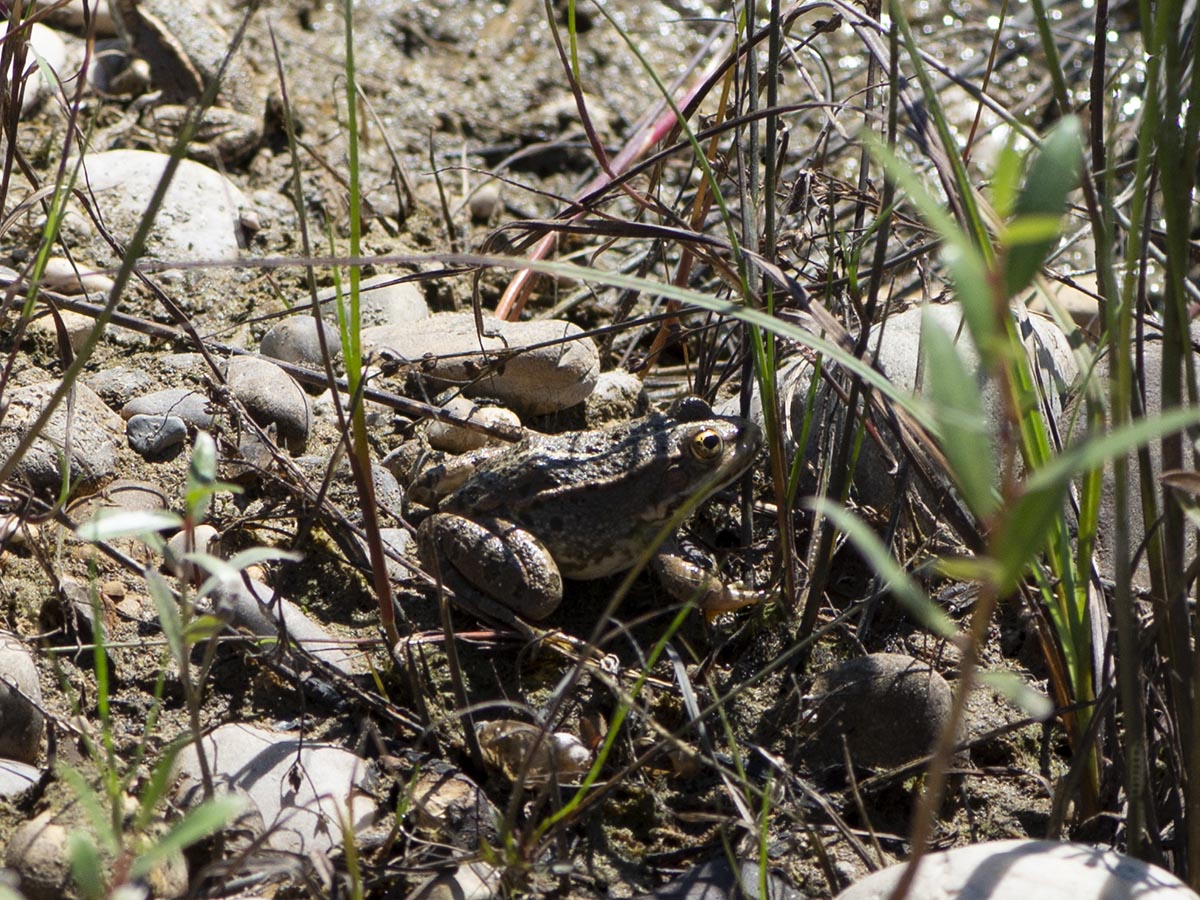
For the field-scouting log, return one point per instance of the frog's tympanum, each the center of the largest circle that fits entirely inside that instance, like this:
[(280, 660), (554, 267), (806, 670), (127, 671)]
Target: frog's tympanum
[(583, 505)]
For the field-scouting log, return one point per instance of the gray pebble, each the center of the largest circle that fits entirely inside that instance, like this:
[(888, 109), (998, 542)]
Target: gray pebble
[(96, 434), (119, 385), (21, 722), (302, 814), (1024, 869), (182, 364), (887, 707), (389, 496), (446, 349), (154, 436), (272, 397), (260, 612), (455, 438), (295, 340), (188, 404)]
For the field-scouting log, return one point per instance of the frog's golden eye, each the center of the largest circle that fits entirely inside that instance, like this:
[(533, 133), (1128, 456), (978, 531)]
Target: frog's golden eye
[(706, 444)]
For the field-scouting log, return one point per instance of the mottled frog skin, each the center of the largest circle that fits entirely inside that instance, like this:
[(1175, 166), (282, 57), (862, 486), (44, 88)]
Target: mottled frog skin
[(582, 505)]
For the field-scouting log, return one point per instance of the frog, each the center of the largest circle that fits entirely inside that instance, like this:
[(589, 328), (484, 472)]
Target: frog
[(511, 523)]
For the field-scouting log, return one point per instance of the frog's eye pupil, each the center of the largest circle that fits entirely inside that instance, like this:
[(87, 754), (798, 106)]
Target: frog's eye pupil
[(706, 444)]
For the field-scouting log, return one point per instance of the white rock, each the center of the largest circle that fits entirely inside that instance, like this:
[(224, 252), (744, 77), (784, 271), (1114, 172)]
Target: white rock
[(73, 15), (304, 790), (1024, 870), (205, 539), (70, 278), (46, 44), (199, 219)]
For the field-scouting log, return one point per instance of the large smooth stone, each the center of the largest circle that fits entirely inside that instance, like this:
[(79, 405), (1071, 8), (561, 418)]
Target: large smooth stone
[(188, 404), (446, 350), (37, 852), (382, 301), (199, 218), (96, 433), (1106, 533), (272, 397), (295, 340), (888, 708), (260, 612), (1026, 870), (21, 721), (304, 790)]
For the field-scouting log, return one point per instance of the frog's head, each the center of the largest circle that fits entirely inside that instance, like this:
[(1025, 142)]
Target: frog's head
[(708, 451)]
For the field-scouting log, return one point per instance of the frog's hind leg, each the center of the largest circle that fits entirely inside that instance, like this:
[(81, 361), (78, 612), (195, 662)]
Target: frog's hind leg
[(493, 559)]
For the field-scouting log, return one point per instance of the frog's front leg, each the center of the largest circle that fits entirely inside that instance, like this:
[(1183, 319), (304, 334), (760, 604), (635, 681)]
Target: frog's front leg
[(691, 581), (494, 558)]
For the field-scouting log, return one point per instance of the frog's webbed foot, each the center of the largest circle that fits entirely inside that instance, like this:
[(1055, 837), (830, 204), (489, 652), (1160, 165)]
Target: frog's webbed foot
[(493, 559), (689, 580)]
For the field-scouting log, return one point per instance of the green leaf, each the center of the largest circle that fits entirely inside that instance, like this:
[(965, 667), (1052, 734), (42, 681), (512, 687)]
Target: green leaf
[(1017, 691), (206, 819), (110, 524), (1054, 172), (202, 468), (982, 569), (1005, 178), (1097, 450), (228, 571), (202, 628), (93, 806), (202, 482), (1032, 229), (160, 781), (168, 614), (963, 425), (86, 866), (895, 579), (1025, 531), (254, 555)]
